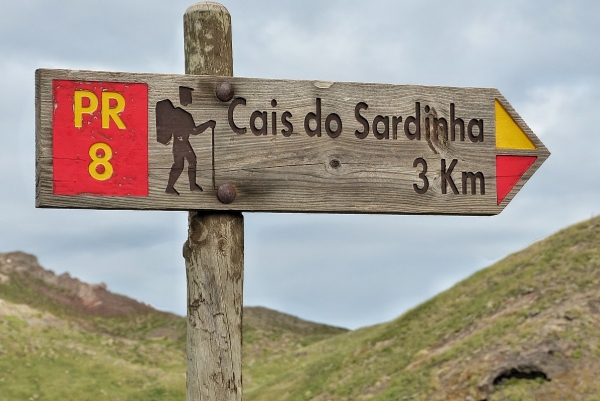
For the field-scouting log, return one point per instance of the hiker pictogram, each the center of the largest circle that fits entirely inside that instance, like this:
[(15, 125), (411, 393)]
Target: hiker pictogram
[(175, 123)]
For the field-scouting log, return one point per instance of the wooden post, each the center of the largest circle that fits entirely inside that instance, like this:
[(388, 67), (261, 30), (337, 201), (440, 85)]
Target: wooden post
[(214, 250)]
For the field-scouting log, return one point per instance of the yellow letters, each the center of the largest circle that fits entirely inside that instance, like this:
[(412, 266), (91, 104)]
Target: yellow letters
[(108, 112), (78, 107)]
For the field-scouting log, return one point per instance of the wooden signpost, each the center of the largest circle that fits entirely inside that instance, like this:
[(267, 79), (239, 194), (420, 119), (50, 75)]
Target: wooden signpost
[(167, 142), (220, 145)]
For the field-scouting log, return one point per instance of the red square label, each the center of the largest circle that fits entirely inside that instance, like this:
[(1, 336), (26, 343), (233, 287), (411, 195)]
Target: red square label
[(100, 138)]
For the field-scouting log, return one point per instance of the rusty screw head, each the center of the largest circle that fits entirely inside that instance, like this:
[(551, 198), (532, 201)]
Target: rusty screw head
[(225, 91), (226, 193)]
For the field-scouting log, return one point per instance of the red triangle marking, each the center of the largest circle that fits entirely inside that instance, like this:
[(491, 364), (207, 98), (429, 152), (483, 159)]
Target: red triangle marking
[(509, 170)]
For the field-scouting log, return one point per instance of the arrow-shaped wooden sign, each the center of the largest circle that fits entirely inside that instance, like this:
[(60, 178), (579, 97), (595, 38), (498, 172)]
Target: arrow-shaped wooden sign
[(168, 142)]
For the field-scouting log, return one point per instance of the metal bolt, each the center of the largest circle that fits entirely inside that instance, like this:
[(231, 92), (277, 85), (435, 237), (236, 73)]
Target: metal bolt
[(226, 193), (225, 91)]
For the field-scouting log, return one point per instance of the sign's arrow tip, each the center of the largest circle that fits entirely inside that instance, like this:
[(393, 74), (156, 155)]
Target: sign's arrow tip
[(519, 150)]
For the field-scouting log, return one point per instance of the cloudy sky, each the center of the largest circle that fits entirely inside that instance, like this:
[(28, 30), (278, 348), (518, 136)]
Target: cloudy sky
[(344, 270)]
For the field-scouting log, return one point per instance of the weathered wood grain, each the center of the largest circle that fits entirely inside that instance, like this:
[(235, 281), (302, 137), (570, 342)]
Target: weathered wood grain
[(302, 173), (214, 255), (214, 251)]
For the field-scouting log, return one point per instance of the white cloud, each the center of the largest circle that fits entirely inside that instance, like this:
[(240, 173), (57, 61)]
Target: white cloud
[(346, 270)]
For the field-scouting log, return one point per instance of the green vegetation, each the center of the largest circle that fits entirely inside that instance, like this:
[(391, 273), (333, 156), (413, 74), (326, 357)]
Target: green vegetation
[(46, 358), (525, 328), (538, 307), (52, 348)]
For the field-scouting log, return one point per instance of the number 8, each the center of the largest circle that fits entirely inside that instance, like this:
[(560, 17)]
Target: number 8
[(100, 160)]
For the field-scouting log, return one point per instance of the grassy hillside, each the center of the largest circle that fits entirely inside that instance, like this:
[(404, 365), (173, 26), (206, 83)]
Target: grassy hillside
[(47, 358), (61, 339), (526, 328)]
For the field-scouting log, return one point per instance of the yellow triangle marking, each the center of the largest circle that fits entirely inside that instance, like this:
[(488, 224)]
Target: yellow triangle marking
[(508, 133)]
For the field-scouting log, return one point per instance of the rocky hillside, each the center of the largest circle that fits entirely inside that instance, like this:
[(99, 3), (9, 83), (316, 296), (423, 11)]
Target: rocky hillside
[(93, 300)]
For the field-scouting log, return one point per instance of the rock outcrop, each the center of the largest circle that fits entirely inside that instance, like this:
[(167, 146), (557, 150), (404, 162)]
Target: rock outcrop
[(92, 299)]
